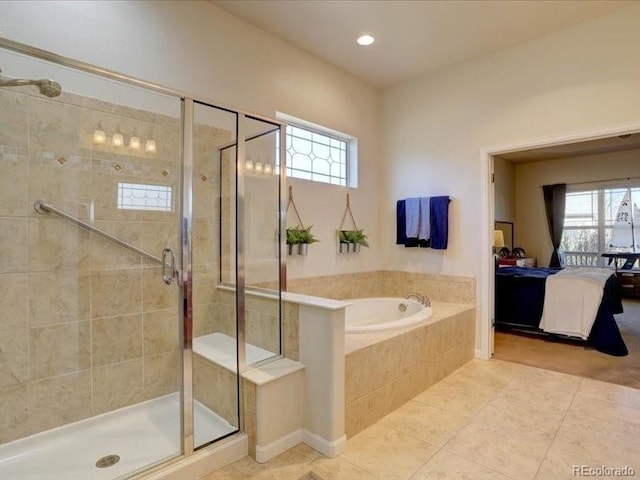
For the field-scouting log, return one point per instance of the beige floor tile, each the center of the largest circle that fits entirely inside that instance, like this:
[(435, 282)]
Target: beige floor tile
[(618, 394), (461, 395), (339, 469), (494, 373), (566, 469), (561, 382), (291, 465), (513, 454), (447, 466), (426, 422), (576, 444), (519, 417), (589, 412), (540, 398), (388, 453)]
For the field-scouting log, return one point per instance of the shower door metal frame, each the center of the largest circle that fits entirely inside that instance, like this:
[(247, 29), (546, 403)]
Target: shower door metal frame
[(185, 277)]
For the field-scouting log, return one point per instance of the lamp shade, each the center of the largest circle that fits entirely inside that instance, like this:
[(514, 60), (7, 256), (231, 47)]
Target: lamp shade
[(498, 238)]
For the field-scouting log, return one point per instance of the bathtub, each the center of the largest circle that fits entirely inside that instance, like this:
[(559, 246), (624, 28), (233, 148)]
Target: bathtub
[(370, 315)]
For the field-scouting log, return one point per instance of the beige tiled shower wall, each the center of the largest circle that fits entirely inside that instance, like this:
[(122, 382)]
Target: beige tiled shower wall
[(381, 283), (86, 326)]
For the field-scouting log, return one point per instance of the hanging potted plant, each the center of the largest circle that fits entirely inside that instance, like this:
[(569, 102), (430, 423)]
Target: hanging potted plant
[(298, 240), (352, 240)]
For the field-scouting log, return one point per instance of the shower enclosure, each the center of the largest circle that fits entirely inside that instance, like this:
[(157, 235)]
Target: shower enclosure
[(141, 265)]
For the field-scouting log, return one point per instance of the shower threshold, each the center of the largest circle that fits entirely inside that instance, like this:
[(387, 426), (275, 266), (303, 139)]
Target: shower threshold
[(141, 435)]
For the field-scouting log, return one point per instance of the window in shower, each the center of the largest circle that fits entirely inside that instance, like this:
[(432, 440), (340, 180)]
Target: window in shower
[(137, 196), (319, 154)]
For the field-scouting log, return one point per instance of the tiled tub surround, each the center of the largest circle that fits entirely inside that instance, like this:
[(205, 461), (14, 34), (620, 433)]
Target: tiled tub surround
[(86, 326), (384, 283), (384, 370)]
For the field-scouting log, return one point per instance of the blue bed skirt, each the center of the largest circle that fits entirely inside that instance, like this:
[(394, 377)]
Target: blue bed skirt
[(519, 301)]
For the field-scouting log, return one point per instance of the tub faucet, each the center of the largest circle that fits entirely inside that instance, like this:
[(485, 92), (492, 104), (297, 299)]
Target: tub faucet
[(423, 299)]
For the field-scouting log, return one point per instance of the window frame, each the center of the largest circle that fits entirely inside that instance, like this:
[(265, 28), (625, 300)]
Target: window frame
[(351, 150), (601, 224)]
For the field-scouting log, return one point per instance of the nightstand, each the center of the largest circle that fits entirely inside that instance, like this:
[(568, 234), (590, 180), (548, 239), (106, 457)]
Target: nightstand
[(529, 262), (629, 281)]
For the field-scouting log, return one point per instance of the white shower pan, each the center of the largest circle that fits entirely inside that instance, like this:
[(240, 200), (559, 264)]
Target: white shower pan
[(141, 435)]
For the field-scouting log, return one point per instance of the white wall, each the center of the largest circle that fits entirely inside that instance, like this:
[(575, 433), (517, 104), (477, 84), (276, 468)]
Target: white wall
[(531, 228), (576, 80), (198, 48), (504, 190)]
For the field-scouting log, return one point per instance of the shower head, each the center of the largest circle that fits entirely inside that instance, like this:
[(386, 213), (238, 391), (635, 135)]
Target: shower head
[(48, 88)]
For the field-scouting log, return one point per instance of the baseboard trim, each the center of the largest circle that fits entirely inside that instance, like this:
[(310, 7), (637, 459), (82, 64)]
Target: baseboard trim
[(264, 453), (482, 355), (327, 448)]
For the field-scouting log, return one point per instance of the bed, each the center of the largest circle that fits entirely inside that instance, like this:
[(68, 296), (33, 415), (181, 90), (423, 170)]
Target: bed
[(519, 301)]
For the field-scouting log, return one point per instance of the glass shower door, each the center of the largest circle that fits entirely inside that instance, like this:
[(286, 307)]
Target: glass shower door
[(215, 343), (89, 331)]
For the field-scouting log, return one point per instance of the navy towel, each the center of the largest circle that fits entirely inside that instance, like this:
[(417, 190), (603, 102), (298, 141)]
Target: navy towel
[(439, 213), (401, 223)]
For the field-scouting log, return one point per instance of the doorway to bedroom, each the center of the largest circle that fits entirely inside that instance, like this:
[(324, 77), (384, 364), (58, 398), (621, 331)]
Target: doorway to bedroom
[(588, 194)]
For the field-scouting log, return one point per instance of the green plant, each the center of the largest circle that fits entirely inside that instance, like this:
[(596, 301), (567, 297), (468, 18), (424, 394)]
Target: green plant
[(354, 236), (298, 235)]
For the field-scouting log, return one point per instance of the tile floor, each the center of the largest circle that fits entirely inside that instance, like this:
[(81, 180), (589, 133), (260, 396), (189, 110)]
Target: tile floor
[(490, 420)]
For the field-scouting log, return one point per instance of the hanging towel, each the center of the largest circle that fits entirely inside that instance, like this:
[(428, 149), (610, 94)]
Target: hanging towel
[(412, 216), (439, 215), (424, 230), (401, 224), (412, 212)]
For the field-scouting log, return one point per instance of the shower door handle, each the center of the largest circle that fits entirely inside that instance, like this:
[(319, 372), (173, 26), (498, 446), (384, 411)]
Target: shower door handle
[(167, 276)]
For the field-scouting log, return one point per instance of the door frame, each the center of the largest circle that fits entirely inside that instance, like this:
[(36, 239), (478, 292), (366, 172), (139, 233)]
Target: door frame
[(484, 344)]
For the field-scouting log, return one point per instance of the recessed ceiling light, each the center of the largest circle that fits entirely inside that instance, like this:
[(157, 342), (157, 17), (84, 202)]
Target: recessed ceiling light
[(365, 40)]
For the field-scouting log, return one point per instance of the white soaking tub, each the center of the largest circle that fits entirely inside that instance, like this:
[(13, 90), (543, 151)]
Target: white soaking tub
[(370, 315)]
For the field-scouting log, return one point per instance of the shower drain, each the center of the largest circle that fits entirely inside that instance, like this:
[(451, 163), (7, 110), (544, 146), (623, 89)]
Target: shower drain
[(107, 461)]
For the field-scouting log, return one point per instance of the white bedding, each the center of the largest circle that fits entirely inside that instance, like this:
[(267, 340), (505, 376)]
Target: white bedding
[(571, 300)]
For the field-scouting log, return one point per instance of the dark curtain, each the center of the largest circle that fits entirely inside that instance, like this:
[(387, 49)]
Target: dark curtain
[(554, 201)]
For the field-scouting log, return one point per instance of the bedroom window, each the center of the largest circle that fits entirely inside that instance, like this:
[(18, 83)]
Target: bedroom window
[(600, 220), (319, 154)]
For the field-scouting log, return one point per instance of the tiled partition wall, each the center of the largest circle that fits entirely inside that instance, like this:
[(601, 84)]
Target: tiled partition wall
[(262, 322), (86, 326)]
